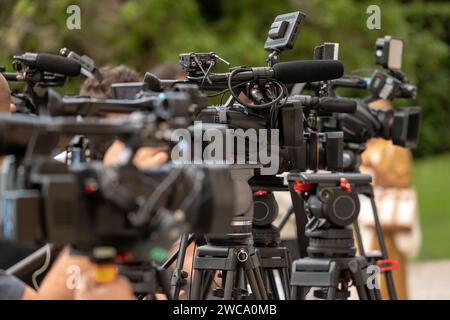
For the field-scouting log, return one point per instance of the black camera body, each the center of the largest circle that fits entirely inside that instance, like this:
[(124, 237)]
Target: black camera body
[(90, 205), (299, 149), (400, 125)]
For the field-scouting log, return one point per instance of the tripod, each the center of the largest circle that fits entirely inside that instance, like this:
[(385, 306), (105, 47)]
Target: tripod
[(275, 261), (362, 189), (331, 266), (327, 250), (236, 259)]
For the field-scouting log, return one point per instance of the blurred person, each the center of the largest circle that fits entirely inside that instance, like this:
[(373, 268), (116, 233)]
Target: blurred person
[(5, 95), (71, 277), (146, 157), (169, 71), (391, 168), (92, 88)]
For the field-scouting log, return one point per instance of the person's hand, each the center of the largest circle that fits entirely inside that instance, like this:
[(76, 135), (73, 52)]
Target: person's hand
[(30, 294), (62, 279), (145, 157), (148, 157), (5, 95), (120, 289)]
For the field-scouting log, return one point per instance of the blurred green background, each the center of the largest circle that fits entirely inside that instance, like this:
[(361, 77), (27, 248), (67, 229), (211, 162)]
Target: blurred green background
[(144, 33)]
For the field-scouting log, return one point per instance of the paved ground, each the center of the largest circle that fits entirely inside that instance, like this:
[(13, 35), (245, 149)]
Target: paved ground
[(429, 280)]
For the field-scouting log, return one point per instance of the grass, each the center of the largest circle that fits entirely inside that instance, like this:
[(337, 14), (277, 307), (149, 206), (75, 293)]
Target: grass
[(432, 180)]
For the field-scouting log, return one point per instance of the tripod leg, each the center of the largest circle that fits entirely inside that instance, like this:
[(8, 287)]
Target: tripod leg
[(362, 294), (384, 253), (334, 283), (279, 285), (176, 280), (373, 294), (294, 294), (253, 284), (229, 283), (284, 282), (377, 294), (285, 218), (260, 283), (298, 293), (271, 285), (357, 230), (207, 282), (359, 280), (197, 284), (300, 219), (174, 256), (240, 281), (285, 278)]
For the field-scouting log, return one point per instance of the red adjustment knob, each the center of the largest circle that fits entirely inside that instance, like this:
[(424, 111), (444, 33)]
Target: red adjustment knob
[(260, 193), (90, 187), (302, 187), (345, 185), (123, 257), (387, 265)]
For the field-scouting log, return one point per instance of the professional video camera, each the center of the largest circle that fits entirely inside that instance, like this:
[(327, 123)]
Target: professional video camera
[(34, 141), (400, 125), (89, 205), (266, 104)]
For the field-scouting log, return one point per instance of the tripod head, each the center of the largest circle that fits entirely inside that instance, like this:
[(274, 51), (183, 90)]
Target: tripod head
[(332, 205)]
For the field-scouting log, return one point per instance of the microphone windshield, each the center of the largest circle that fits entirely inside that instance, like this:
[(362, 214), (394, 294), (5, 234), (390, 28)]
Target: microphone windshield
[(57, 64), (308, 71)]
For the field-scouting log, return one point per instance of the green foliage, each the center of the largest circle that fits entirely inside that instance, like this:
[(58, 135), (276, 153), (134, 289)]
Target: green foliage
[(430, 177), (144, 33)]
